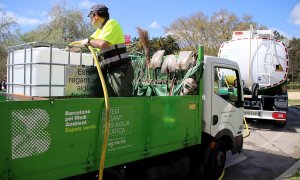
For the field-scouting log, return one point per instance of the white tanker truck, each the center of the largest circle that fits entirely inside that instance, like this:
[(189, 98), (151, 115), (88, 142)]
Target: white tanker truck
[(264, 64)]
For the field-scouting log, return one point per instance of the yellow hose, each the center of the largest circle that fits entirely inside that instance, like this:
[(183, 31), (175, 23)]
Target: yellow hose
[(226, 83), (247, 127), (248, 132), (222, 175), (105, 138)]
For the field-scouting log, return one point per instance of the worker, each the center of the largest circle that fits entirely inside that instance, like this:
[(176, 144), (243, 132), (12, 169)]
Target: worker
[(3, 85), (109, 42)]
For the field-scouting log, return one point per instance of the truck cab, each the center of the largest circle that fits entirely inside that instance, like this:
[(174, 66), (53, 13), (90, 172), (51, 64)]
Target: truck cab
[(223, 101)]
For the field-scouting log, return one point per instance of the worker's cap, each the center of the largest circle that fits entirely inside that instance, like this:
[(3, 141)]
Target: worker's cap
[(99, 8)]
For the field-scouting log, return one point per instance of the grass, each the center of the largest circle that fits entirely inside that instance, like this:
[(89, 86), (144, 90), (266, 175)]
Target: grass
[(295, 176), (294, 102)]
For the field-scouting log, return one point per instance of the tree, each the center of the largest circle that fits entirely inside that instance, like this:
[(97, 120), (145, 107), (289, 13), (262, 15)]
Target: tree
[(220, 28), (7, 23), (245, 24), (189, 32), (294, 60), (279, 36), (3, 55), (135, 47), (65, 26), (197, 29), (8, 35), (167, 43)]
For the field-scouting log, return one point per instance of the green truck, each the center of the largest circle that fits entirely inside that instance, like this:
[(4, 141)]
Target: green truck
[(151, 135)]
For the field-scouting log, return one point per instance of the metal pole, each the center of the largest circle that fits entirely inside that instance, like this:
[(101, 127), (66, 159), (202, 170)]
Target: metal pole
[(31, 51), (50, 70), (24, 80), (12, 72)]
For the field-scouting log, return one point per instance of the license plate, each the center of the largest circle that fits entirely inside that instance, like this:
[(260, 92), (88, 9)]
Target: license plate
[(252, 113)]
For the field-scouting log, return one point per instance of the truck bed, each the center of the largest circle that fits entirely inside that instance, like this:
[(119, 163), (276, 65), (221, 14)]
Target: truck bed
[(58, 138)]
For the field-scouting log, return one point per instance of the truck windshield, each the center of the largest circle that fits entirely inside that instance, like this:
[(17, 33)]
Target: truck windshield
[(226, 84)]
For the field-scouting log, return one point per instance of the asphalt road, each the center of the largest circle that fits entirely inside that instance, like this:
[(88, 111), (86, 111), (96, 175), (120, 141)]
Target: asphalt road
[(268, 152)]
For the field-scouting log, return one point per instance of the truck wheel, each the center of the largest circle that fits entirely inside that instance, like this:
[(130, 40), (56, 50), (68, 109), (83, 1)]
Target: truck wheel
[(217, 159), (114, 174)]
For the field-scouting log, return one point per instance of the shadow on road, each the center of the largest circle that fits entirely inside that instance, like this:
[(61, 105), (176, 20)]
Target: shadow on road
[(268, 160), (259, 166)]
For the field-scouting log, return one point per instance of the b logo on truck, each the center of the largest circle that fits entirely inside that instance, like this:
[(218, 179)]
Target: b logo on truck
[(28, 135)]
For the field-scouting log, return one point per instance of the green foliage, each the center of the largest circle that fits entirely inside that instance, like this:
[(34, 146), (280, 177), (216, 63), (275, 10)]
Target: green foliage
[(3, 55), (294, 103), (294, 60), (293, 86), (8, 36), (167, 43), (278, 35), (296, 176)]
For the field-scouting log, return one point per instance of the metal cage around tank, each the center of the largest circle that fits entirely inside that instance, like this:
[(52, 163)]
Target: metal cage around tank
[(24, 60)]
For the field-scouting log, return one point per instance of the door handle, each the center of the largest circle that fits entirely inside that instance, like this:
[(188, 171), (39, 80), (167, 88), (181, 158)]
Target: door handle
[(215, 119)]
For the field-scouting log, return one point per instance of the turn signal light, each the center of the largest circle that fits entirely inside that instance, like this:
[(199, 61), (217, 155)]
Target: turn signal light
[(279, 115)]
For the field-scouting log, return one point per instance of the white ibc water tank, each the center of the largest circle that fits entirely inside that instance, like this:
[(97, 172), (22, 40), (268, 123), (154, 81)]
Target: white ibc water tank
[(261, 60), (40, 71)]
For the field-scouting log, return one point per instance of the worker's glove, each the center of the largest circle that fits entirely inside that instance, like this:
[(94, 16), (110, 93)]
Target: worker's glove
[(85, 42), (76, 43), (74, 46)]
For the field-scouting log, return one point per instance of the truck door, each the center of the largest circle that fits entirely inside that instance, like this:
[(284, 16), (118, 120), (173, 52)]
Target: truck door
[(227, 109)]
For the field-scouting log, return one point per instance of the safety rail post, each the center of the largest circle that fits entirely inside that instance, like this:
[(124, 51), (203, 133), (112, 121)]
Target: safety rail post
[(31, 56), (12, 66), (50, 71), (24, 76), (200, 53)]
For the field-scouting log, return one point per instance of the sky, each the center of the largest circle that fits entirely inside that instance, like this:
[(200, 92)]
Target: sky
[(155, 15)]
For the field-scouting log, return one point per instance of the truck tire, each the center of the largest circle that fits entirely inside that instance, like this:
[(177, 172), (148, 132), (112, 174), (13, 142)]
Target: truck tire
[(217, 160), (114, 174)]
